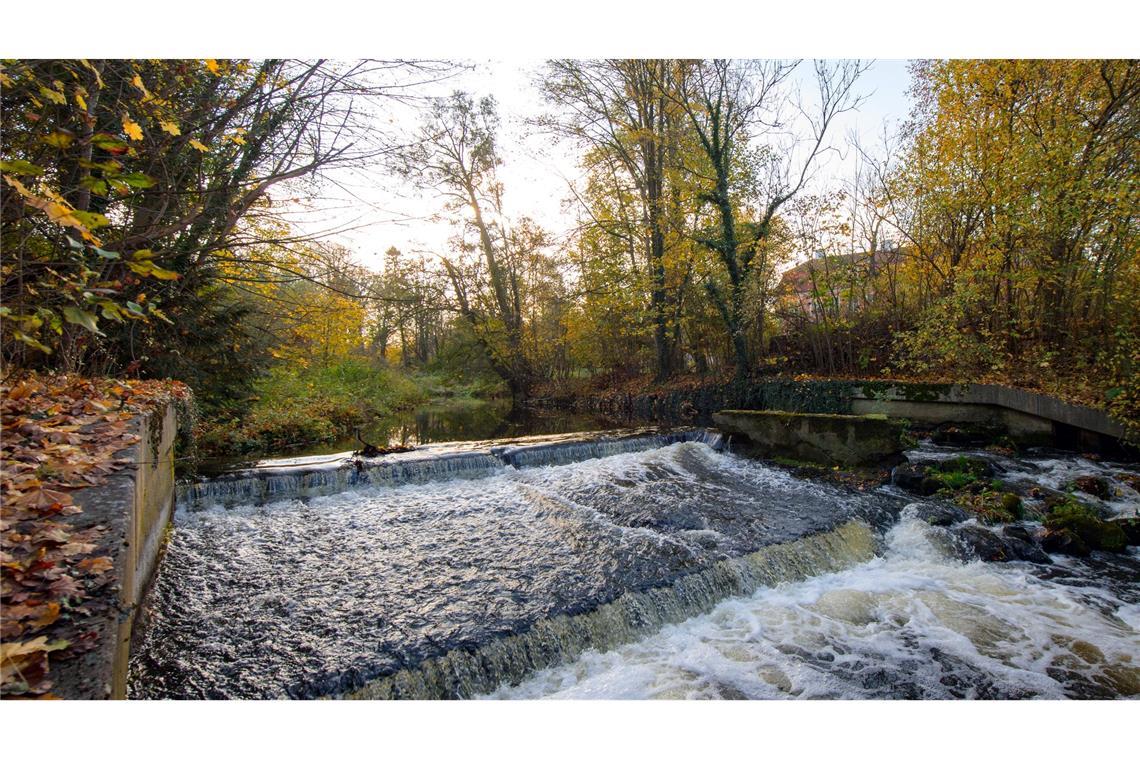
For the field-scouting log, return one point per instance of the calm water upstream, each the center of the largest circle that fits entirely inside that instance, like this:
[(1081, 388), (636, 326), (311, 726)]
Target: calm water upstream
[(455, 419), (669, 572)]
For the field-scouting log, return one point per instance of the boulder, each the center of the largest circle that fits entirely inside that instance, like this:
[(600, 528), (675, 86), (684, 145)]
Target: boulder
[(910, 477), (1064, 541), (975, 542), (938, 513), (1131, 528), (1093, 485), (1075, 528), (1023, 545), (979, 467)]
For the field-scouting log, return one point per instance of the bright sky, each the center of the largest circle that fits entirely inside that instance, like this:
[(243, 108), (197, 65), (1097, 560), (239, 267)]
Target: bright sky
[(384, 212)]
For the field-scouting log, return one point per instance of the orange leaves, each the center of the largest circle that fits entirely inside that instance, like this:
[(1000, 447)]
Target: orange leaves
[(61, 434), (24, 666), (96, 565), (57, 210), (131, 128)]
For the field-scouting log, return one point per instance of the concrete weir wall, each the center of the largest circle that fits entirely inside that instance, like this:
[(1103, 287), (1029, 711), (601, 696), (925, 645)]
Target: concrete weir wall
[(1031, 418), (823, 438), (1023, 414), (134, 505)]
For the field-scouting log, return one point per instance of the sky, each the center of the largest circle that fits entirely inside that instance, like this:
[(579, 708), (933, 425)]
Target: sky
[(370, 210)]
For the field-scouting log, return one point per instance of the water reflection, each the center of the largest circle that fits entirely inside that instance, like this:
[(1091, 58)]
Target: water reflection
[(441, 420), (475, 420)]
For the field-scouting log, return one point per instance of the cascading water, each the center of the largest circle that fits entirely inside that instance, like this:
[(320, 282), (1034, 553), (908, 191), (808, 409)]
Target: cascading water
[(639, 565), (911, 624), (322, 475)]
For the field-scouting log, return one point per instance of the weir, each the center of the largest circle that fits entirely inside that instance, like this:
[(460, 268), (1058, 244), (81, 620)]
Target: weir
[(320, 476), (444, 573), (462, 674), (522, 567)]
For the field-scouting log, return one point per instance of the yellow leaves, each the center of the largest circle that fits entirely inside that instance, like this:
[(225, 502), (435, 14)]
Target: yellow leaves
[(14, 649), (141, 264), (61, 140), (56, 208), (131, 128), (170, 128), (79, 98), (93, 70), (212, 65), (55, 97), (138, 82), (199, 146)]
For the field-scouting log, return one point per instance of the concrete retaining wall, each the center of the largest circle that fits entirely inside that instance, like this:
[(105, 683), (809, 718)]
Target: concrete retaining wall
[(1019, 409), (823, 438), (135, 506), (1029, 416)]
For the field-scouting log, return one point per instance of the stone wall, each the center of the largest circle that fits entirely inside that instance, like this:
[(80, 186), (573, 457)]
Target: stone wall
[(135, 506)]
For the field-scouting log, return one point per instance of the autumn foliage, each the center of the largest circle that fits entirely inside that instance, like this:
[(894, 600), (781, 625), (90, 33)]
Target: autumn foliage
[(61, 434)]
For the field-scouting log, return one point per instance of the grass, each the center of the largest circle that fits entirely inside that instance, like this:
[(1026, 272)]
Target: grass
[(311, 405)]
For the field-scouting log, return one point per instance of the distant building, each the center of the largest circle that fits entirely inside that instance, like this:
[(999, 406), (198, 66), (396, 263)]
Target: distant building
[(834, 275)]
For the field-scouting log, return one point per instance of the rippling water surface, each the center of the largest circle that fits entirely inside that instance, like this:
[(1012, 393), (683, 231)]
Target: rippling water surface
[(910, 624), (307, 598), (319, 597)]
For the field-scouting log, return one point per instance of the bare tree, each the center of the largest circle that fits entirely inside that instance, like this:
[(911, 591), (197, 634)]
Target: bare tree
[(740, 114)]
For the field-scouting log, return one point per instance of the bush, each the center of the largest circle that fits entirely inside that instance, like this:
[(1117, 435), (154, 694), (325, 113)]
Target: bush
[(312, 405)]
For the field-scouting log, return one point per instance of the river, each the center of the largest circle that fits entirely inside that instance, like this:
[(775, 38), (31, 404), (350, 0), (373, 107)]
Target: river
[(637, 568)]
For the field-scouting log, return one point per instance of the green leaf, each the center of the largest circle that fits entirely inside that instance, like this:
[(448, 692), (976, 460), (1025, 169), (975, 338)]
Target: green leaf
[(137, 179), (61, 140), (19, 166), (95, 185), (105, 254), (109, 143), (28, 339), (134, 308), (84, 319), (112, 310), (107, 166), (143, 254), (155, 312), (91, 220), (55, 97), (74, 244)]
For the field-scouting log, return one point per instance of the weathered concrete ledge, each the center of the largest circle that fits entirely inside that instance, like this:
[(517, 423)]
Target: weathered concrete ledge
[(1021, 412), (1030, 418), (824, 438), (135, 506)]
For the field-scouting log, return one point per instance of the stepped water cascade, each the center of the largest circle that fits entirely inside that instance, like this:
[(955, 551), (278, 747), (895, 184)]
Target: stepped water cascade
[(632, 564)]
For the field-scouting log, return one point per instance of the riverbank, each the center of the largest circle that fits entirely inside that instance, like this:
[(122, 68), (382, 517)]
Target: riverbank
[(294, 408)]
